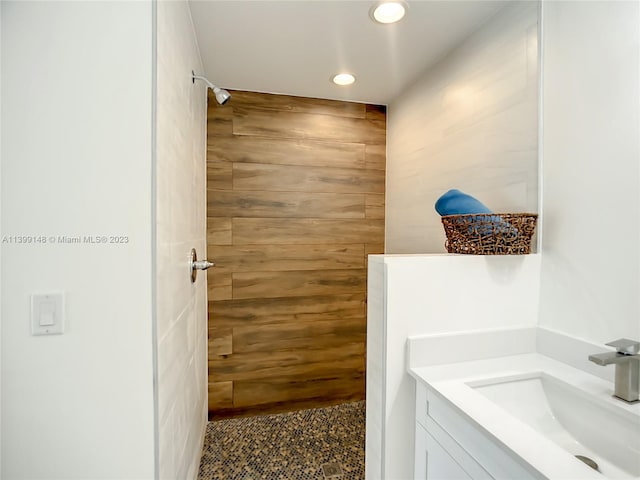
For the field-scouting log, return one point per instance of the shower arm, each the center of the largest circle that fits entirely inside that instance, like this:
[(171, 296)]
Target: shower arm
[(222, 96), (205, 80)]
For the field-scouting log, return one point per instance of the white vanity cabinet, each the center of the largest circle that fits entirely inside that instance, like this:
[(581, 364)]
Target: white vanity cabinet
[(432, 460), (448, 446)]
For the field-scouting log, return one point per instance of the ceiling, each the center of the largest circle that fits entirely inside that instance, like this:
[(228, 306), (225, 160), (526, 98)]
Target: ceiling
[(295, 47)]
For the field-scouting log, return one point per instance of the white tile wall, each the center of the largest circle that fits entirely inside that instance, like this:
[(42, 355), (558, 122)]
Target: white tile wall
[(470, 122), (591, 175), (181, 225)]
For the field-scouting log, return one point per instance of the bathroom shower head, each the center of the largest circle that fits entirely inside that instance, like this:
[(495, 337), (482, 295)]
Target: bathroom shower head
[(222, 96)]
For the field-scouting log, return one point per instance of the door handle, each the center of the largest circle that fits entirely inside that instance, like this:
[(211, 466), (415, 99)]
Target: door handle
[(202, 264), (198, 265)]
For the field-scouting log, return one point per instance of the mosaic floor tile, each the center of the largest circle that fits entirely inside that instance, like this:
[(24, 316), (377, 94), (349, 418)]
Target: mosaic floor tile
[(304, 445)]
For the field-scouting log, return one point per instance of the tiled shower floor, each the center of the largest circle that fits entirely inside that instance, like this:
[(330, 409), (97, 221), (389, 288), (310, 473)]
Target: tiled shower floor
[(305, 445)]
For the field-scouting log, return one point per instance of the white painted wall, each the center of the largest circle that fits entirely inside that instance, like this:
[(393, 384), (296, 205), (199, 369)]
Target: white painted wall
[(181, 216), (470, 122), (591, 180), (0, 248), (76, 160), (430, 294)]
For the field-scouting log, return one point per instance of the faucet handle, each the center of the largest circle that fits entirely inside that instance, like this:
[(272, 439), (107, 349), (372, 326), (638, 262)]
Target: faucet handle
[(625, 346)]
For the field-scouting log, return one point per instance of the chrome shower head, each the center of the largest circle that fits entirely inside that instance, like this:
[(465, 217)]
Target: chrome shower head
[(222, 96)]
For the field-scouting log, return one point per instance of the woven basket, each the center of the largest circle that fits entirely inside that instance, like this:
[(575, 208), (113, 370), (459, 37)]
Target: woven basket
[(490, 234)]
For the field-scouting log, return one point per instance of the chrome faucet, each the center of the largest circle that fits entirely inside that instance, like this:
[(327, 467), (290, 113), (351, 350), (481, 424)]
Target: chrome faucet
[(627, 362)]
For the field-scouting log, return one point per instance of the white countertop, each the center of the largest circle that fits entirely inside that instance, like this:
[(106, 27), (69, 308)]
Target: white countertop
[(450, 382)]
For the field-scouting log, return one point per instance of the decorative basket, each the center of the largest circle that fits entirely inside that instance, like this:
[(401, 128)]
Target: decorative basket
[(490, 234)]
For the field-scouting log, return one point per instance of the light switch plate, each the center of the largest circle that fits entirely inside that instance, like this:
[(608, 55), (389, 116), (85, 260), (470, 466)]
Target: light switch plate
[(47, 313)]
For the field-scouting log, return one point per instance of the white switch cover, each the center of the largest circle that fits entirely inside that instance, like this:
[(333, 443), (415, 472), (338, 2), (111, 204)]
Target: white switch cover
[(47, 314)]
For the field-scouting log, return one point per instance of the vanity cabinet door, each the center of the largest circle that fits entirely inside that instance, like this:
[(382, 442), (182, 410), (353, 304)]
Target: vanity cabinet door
[(432, 462)]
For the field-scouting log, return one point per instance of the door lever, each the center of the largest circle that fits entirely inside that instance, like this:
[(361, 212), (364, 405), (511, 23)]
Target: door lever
[(198, 265)]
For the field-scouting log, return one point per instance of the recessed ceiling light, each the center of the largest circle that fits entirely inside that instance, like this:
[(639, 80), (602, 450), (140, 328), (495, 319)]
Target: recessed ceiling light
[(344, 79), (388, 12)]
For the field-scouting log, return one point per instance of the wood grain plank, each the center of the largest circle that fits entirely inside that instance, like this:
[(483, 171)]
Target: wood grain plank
[(253, 312), (219, 175), (286, 406), (375, 157), (274, 231), (218, 278), (277, 151), (220, 342), (276, 258), (219, 285), (284, 204), (286, 103), (345, 358), (295, 203), (220, 395), (219, 119), (294, 178), (297, 283), (376, 112), (250, 121), (373, 249), (374, 206), (219, 231), (299, 335), (256, 392)]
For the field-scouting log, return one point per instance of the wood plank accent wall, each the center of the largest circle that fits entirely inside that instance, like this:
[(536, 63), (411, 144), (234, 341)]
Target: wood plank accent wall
[(295, 203)]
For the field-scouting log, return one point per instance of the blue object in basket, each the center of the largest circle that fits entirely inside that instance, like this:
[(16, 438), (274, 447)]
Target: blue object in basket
[(455, 202)]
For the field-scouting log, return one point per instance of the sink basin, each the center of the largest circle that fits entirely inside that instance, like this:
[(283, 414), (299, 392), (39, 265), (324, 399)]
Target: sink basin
[(580, 423)]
